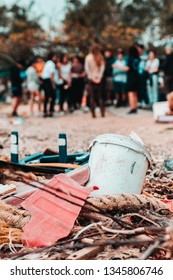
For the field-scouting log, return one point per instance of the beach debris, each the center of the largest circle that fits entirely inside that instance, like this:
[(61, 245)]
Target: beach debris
[(53, 210)]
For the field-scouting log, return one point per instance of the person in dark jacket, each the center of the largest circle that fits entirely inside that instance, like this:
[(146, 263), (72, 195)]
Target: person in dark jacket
[(16, 87), (133, 78), (168, 70), (77, 82), (107, 77)]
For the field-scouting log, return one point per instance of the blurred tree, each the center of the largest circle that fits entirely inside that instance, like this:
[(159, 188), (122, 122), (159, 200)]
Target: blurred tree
[(100, 21), (4, 29), (111, 23), (22, 32), (166, 17), (139, 13), (154, 15), (3, 16), (115, 23)]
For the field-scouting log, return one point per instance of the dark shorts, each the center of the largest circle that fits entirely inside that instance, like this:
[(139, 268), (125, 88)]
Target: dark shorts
[(16, 91), (133, 86), (119, 87)]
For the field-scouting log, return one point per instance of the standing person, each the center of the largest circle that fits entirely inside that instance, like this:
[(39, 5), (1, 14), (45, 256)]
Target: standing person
[(65, 89), (39, 64), (168, 70), (142, 93), (133, 78), (59, 84), (57, 80), (152, 67), (107, 77), (120, 79), (170, 103), (49, 84), (32, 82), (77, 83), (94, 68), (16, 87)]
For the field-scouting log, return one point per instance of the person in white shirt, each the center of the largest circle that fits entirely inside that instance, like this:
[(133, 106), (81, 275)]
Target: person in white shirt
[(152, 67), (32, 82), (48, 76)]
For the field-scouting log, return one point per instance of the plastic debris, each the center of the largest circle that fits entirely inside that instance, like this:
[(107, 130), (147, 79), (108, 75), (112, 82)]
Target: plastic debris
[(53, 210), (6, 190), (168, 164)]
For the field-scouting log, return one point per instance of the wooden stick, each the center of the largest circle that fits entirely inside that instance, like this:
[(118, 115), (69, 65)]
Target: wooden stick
[(62, 165), (85, 253)]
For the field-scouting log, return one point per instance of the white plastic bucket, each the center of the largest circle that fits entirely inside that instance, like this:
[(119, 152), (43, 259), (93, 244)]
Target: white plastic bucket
[(117, 164)]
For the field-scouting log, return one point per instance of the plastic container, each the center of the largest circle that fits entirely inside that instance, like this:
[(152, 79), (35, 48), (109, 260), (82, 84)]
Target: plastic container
[(117, 164)]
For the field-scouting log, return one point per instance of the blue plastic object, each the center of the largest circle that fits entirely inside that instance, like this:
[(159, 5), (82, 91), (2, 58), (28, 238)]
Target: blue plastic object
[(31, 158), (62, 144), (14, 149)]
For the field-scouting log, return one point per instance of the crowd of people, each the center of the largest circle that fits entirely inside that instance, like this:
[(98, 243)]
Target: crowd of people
[(136, 79), (121, 79)]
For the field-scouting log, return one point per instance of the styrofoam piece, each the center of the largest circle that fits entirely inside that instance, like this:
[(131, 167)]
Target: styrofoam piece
[(159, 110), (165, 119)]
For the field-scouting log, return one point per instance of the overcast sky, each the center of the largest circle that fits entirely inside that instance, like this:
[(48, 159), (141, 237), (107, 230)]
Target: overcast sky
[(53, 10)]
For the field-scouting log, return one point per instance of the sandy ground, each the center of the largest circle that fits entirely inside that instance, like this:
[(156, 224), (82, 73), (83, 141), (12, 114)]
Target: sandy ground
[(36, 133)]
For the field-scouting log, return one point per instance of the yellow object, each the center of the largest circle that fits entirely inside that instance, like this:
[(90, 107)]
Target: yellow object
[(60, 165)]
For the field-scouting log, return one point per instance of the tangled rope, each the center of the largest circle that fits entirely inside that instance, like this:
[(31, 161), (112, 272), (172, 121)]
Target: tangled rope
[(12, 216)]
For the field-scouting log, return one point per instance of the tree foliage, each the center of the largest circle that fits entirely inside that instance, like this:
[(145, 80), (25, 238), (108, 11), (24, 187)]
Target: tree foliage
[(114, 23), (143, 13), (166, 17), (139, 12), (20, 32), (3, 16), (111, 23)]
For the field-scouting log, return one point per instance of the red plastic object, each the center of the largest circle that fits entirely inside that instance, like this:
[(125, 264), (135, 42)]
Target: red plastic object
[(53, 217), (169, 202), (80, 175)]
